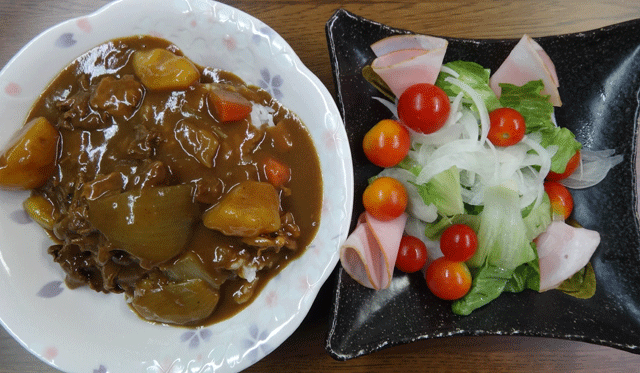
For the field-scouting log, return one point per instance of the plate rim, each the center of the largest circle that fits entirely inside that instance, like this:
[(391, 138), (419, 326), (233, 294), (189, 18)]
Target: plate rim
[(343, 15)]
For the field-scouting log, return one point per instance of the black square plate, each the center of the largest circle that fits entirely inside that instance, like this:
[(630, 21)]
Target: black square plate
[(599, 73)]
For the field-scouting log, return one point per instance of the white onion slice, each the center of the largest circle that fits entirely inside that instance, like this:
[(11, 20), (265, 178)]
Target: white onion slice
[(450, 71), (478, 101), (389, 105), (593, 168), (545, 166)]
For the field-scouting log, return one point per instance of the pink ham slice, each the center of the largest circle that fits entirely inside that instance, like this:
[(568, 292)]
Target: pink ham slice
[(405, 60), (526, 62), (562, 251), (369, 253)]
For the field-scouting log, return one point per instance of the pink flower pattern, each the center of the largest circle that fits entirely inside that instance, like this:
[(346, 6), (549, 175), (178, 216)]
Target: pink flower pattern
[(13, 89), (84, 25)]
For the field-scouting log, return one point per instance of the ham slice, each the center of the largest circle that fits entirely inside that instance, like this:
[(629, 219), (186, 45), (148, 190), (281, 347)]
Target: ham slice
[(526, 62), (562, 251), (405, 60), (369, 253)]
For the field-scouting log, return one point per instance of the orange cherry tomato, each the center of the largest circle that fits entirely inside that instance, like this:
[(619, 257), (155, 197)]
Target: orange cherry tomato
[(572, 165), (412, 255), (507, 127), (447, 279), (386, 143), (424, 107), (560, 198), (385, 199), (458, 242)]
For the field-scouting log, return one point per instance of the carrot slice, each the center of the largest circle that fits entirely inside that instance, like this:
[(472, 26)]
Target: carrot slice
[(277, 172), (230, 106)]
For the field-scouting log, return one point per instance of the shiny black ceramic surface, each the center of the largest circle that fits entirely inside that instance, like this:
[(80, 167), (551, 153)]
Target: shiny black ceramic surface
[(599, 73)]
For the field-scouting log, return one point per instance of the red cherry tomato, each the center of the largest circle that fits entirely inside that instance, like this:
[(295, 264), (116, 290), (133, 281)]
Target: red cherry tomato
[(560, 198), (458, 242), (386, 143), (412, 255), (572, 165), (507, 127), (385, 199), (424, 107), (448, 279)]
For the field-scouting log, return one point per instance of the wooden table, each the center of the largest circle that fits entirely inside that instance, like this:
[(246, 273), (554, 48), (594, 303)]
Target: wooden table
[(301, 23)]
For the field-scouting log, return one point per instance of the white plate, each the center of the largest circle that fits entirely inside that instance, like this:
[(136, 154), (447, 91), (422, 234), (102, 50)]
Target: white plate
[(84, 331)]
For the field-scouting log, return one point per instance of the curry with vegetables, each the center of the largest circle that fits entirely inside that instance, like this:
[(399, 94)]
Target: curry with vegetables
[(178, 185)]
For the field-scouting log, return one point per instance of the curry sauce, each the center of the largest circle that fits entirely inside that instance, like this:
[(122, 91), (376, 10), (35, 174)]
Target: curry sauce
[(160, 193)]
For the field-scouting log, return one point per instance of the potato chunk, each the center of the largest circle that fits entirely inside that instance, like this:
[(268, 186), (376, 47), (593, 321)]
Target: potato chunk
[(175, 302), (40, 210), (31, 156), (251, 208), (159, 69)]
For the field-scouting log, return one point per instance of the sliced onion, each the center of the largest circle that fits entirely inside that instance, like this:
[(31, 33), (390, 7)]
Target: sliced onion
[(450, 71), (449, 132), (470, 123), (475, 195), (593, 168), (423, 153), (477, 100), (529, 189), (389, 105), (545, 166)]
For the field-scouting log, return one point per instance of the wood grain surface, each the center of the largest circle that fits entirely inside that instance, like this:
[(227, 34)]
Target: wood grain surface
[(302, 24)]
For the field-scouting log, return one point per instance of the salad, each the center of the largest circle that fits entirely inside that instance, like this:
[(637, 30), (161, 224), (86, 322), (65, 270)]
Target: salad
[(477, 178)]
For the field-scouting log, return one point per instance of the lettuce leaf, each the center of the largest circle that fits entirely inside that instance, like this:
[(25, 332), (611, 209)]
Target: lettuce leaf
[(538, 218), (474, 75), (528, 101), (502, 235), (526, 276), (435, 229), (444, 191), (504, 252), (567, 145), (488, 283), (375, 80)]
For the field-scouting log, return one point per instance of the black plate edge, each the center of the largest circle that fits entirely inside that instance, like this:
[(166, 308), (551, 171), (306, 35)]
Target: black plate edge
[(343, 13)]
